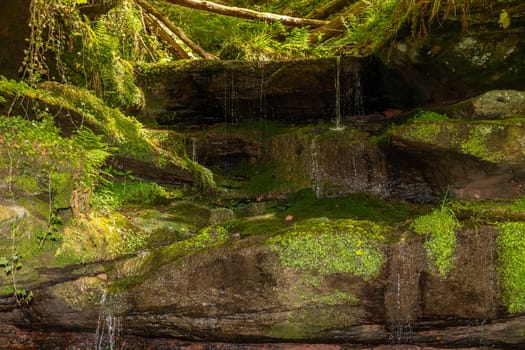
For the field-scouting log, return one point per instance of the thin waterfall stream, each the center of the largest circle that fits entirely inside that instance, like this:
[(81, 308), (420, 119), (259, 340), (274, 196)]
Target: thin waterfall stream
[(337, 85), (109, 327)]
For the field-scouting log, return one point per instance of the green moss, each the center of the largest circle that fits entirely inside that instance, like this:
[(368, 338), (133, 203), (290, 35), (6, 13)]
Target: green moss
[(488, 140), (478, 140), (62, 186), (210, 236), (424, 131), (430, 116), (519, 205), (100, 236), (439, 227), (7, 290), (511, 264), (161, 227), (27, 184), (335, 297), (124, 133), (311, 323), (40, 161), (80, 295), (191, 213), (342, 246), (122, 193), (304, 204), (261, 224)]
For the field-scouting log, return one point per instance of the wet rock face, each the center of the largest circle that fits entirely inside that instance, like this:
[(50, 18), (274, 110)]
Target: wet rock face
[(193, 94), (241, 292), (330, 162)]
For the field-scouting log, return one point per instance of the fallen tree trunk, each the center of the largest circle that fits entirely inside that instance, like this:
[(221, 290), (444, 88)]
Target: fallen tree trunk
[(329, 9), (335, 27), (248, 14), (166, 36), (175, 30)]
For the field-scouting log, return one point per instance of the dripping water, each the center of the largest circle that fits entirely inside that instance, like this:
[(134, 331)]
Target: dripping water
[(315, 174), (262, 96), (193, 149), (358, 105), (337, 85), (401, 330), (233, 98), (109, 327)]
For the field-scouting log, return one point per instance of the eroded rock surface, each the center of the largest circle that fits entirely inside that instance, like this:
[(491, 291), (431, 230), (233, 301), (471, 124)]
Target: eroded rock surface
[(240, 291)]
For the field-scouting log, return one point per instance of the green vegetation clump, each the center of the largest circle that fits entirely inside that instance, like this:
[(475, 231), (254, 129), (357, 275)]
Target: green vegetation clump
[(210, 236), (519, 204), (125, 134), (36, 159), (426, 126), (254, 225), (341, 246), (511, 264), (487, 140), (439, 227), (99, 236), (336, 297), (430, 116), (101, 59), (118, 194), (476, 144), (305, 204)]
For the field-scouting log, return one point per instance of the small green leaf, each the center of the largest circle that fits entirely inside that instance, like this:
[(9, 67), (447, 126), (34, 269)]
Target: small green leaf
[(504, 19)]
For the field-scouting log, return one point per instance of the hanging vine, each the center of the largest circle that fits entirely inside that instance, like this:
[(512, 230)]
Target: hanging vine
[(91, 53), (51, 24)]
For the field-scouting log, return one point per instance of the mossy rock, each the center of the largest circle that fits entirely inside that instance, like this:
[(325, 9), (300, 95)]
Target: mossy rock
[(7, 216), (136, 148), (341, 246), (493, 104), (100, 236), (160, 226), (197, 215), (497, 142)]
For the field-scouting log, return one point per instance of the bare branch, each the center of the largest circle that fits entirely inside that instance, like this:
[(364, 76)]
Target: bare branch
[(175, 30), (248, 14)]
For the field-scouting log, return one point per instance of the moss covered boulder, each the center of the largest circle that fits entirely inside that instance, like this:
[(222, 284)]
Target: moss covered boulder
[(493, 104), (350, 281), (474, 159)]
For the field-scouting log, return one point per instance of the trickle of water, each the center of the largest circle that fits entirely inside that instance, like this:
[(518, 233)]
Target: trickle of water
[(230, 101), (359, 108), (337, 84), (262, 95), (193, 149), (233, 98), (400, 333), (401, 329), (109, 328), (398, 296), (314, 172)]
